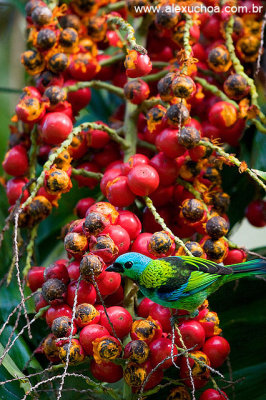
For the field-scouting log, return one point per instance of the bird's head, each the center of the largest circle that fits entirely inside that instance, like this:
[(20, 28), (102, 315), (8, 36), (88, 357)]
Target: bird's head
[(130, 265)]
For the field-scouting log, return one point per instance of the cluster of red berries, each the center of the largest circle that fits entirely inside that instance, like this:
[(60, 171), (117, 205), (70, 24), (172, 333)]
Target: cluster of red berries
[(98, 332), (176, 114)]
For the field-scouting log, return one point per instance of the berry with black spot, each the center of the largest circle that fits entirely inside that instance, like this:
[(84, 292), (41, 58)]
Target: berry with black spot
[(216, 227), (219, 59), (177, 114), (58, 63), (216, 250), (135, 374), (137, 351), (46, 39), (95, 223), (166, 19), (161, 244), (41, 16), (194, 247), (57, 181), (91, 266), (75, 244), (86, 314), (192, 210), (106, 348), (136, 91), (183, 86), (165, 86), (188, 137), (146, 329), (54, 291), (61, 327), (75, 350), (50, 348), (200, 371), (68, 39), (33, 62), (55, 95), (236, 86)]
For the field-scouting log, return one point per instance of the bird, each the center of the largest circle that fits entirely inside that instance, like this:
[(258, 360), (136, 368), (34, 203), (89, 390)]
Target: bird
[(181, 282)]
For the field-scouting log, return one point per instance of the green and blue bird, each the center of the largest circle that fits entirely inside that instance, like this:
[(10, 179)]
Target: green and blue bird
[(181, 282)]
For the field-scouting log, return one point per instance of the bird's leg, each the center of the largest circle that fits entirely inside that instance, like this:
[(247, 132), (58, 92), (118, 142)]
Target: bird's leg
[(175, 318)]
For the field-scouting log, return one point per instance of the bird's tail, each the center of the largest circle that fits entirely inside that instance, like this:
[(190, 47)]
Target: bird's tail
[(248, 268)]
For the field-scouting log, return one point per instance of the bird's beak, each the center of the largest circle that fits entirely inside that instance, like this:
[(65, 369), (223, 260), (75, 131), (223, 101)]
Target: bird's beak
[(115, 267)]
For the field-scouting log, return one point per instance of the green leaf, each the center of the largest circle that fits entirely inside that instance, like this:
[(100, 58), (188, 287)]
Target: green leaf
[(261, 174), (14, 371), (258, 159)]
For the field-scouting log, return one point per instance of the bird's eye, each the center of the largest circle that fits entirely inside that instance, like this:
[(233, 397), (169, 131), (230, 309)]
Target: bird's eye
[(128, 264)]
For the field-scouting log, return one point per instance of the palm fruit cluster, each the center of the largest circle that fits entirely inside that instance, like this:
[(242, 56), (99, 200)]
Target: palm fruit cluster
[(102, 329), (156, 163)]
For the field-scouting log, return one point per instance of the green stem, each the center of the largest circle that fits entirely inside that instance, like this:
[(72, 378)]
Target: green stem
[(217, 92), (109, 61), (33, 155), (239, 67), (97, 85), (125, 26), (87, 125), (30, 250), (130, 129), (155, 77), (186, 39), (232, 160), (146, 145), (113, 7), (160, 221), (10, 90), (87, 174)]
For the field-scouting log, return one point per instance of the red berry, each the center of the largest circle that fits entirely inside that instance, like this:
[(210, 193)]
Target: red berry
[(137, 64), (97, 138), (144, 307), (86, 293), (133, 161), (130, 222), (61, 310), (106, 371), (166, 168), (212, 394), (192, 334), (14, 189), (143, 180), (256, 213), (140, 244), (79, 98), (161, 349), (55, 127), (223, 114), (217, 349), (161, 314), (235, 256), (82, 180), (121, 320), (167, 142), (35, 278), (89, 333), (115, 299), (118, 192), (120, 237), (83, 205), (16, 161), (155, 377), (109, 283), (109, 176), (56, 271), (73, 270), (136, 91)]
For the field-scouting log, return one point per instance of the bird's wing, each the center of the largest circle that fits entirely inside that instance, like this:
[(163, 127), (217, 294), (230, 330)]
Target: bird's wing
[(198, 274)]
